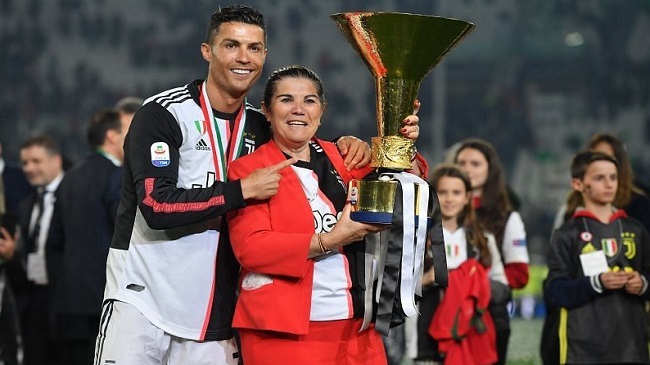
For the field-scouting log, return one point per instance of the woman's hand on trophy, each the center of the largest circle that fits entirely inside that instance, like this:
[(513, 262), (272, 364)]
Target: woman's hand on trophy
[(347, 231), (411, 128)]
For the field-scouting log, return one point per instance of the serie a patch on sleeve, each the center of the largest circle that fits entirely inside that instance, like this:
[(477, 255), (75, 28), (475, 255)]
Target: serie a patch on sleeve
[(519, 242), (160, 154)]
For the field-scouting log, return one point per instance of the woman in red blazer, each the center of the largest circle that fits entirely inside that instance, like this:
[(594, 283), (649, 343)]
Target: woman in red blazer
[(300, 299)]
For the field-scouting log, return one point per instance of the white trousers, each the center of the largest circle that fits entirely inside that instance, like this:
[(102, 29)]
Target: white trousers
[(126, 337)]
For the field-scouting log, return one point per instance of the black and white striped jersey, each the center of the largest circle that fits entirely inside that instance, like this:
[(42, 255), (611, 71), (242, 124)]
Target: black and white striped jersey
[(168, 258)]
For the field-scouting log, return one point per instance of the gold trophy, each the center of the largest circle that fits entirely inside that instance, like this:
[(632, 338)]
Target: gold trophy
[(400, 50)]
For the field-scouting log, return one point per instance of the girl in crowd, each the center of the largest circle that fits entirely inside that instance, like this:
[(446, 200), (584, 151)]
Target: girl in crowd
[(464, 239), (479, 160)]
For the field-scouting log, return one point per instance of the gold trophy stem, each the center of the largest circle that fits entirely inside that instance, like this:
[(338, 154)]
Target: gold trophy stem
[(395, 101)]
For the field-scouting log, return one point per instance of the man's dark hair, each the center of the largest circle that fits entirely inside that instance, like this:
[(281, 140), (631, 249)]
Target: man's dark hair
[(583, 159), (234, 13), (129, 104), (45, 141), (100, 123)]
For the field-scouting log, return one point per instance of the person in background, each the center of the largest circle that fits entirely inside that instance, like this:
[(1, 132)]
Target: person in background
[(28, 269), (171, 276), (127, 107), (464, 239), (14, 187), (301, 299), (80, 235), (599, 265), (479, 160), (629, 196)]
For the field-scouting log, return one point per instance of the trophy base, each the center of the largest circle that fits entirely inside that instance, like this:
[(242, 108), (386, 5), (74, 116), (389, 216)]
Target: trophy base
[(373, 201), (372, 217), (381, 218)]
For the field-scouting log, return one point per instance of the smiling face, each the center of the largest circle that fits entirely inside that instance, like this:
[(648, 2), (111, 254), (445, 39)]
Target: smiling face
[(452, 195), (295, 111), (475, 165), (40, 166), (236, 58)]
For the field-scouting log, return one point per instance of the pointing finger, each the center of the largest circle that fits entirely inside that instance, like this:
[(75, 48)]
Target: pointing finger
[(283, 164)]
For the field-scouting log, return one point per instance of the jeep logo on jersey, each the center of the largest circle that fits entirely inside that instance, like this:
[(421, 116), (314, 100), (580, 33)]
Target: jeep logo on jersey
[(160, 154), (325, 222)]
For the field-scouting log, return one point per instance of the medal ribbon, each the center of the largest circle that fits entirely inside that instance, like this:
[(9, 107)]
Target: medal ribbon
[(414, 240), (221, 159), (399, 266)]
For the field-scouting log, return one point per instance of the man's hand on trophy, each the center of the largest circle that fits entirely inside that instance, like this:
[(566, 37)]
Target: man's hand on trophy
[(356, 153), (411, 128)]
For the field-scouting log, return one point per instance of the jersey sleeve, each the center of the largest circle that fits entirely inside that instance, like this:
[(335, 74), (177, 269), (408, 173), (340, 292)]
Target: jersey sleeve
[(514, 241), (497, 272), (153, 142), (152, 151), (515, 252), (645, 261)]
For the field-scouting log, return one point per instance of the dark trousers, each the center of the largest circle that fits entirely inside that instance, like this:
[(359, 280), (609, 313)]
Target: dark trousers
[(75, 337), (36, 324), (501, 317), (8, 328), (502, 345)]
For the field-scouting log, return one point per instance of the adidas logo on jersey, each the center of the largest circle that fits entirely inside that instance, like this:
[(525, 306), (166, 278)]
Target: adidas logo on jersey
[(202, 146)]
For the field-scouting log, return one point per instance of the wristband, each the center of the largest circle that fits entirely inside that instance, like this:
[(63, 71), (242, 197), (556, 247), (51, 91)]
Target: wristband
[(323, 249), (415, 153)]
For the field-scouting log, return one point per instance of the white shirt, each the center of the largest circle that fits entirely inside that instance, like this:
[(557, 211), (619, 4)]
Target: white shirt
[(330, 297), (455, 247), (456, 253), (36, 266)]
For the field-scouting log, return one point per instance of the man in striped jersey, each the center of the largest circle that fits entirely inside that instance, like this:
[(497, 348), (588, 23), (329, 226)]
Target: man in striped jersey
[(171, 273)]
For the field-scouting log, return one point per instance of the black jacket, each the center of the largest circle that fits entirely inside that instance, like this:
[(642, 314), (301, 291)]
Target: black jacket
[(80, 235), (599, 325)]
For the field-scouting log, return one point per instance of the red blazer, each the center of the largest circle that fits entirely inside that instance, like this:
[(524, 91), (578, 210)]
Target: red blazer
[(272, 237)]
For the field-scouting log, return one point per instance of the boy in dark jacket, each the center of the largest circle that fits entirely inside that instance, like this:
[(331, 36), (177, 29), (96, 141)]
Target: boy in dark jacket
[(599, 265)]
